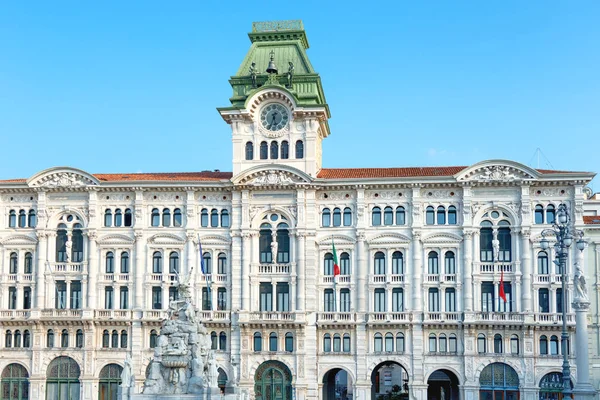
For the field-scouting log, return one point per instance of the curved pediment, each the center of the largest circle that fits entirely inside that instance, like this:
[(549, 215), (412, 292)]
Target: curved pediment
[(166, 238), (214, 240), (340, 240), (497, 171), (115, 239), (271, 175), (442, 237), (62, 178), (18, 240), (388, 238)]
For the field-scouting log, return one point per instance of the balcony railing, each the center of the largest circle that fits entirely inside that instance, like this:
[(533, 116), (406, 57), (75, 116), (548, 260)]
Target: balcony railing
[(336, 317), (66, 313), (272, 316), (62, 267), (488, 267), (389, 317), (113, 314), (552, 318), (218, 315), (20, 277), (499, 316), (156, 315), (114, 277), (339, 279), (14, 314), (547, 278), (381, 278), (274, 269), (443, 316)]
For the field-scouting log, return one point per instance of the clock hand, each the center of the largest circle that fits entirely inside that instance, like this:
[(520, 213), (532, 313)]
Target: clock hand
[(274, 114)]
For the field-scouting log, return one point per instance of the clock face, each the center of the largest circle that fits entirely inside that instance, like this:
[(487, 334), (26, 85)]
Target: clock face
[(274, 117)]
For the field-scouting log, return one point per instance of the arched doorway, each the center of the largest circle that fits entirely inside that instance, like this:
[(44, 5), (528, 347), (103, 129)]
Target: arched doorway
[(337, 385), (222, 380), (15, 382), (442, 385), (273, 381), (498, 381), (62, 379), (110, 379), (551, 386), (389, 378)]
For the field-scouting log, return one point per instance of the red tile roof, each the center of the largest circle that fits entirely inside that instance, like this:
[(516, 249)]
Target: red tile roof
[(349, 173), (591, 219), (166, 176)]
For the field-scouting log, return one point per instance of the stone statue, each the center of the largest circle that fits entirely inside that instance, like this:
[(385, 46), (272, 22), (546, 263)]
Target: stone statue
[(126, 375), (496, 249), (183, 285), (68, 248), (580, 284), (212, 372), (274, 250), (253, 73), (442, 393), (290, 74)]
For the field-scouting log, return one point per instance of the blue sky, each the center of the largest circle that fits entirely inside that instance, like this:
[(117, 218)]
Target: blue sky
[(132, 86)]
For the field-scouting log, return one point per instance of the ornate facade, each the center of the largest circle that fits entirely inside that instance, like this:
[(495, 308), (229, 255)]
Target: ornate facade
[(424, 256)]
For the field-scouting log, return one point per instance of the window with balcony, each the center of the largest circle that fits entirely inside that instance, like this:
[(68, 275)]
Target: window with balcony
[(283, 243), (542, 262), (379, 263), (26, 298), (559, 300), (544, 300), (75, 295), (328, 264), (13, 263), (257, 342), (345, 300), (328, 301), (397, 300), (124, 298), (379, 300), (345, 264), (221, 264), (61, 241), (450, 263), (173, 293), (124, 262), (221, 299), (434, 300), (283, 296), (504, 238), (487, 297), (506, 306), (486, 235), (174, 263), (397, 263), (108, 298), (450, 300), (12, 298), (207, 262), (433, 267), (28, 267), (157, 262), (61, 295), (206, 300), (156, 298), (266, 296), (265, 240)]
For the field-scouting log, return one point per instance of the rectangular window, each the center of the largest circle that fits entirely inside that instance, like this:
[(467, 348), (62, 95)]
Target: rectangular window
[(264, 243), (544, 300), (345, 300), (283, 246), (379, 265), (26, 298), (379, 300), (61, 295), (450, 300), (76, 295), (221, 299), (266, 296), (397, 300), (283, 297), (487, 297), (434, 300), (124, 297), (506, 306), (108, 298), (12, 298), (173, 293), (156, 298), (328, 301), (559, 300), (485, 244), (206, 300)]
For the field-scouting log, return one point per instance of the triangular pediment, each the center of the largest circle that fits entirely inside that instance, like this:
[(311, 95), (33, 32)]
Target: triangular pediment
[(497, 171), (273, 175), (62, 178)]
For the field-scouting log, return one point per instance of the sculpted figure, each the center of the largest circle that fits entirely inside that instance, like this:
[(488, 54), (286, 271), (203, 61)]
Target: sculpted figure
[(496, 249), (290, 74), (126, 373), (580, 284), (252, 71), (212, 371), (68, 248), (274, 250)]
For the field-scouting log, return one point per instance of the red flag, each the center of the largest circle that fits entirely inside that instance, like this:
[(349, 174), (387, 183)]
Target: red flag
[(502, 294), (336, 266)]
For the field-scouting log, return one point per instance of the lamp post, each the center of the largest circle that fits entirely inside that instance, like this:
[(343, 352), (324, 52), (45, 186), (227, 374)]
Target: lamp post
[(564, 235)]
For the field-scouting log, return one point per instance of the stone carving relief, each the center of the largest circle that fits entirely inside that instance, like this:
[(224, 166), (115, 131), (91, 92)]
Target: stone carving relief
[(164, 196), (67, 180), (497, 173), (528, 347), (416, 209), (529, 370), (18, 198), (268, 178), (255, 210), (292, 210), (385, 195), (550, 192), (437, 193), (335, 196), (211, 197), (114, 197)]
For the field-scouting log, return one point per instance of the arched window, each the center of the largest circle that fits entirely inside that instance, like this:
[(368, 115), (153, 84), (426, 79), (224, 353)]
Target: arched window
[(123, 339), (224, 218), (22, 219), (32, 222), (15, 382), (28, 263), (327, 343), (265, 239), (400, 216), (285, 150), (539, 214), (337, 217), (550, 214), (214, 218), (13, 264), (153, 338), (379, 263), (346, 344), (452, 215), (77, 249), (443, 344), (61, 241), (173, 263), (62, 379), (166, 217), (79, 339), (109, 382), (328, 264), (347, 216), (486, 236), (299, 149), (452, 343), (429, 215), (337, 343), (514, 344), (497, 343), (389, 342), (542, 261), (433, 267), (157, 263), (543, 345), (222, 264), (8, 339), (155, 218), (26, 339), (505, 244), (12, 219), (249, 151), (273, 341), (326, 217), (283, 243), (50, 338), (222, 341), (118, 217), (108, 217), (207, 260), (481, 344), (64, 338), (388, 216), (204, 218), (450, 263), (441, 215), (378, 342), (554, 345), (289, 342), (128, 217), (376, 216), (264, 150), (177, 217), (257, 341), (274, 150), (124, 262), (397, 263), (432, 343), (344, 264)]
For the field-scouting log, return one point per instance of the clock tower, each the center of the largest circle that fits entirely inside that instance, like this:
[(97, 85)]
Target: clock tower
[(278, 113)]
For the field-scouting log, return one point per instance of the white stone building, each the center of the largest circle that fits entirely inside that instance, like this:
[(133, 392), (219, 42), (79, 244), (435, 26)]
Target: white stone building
[(88, 264)]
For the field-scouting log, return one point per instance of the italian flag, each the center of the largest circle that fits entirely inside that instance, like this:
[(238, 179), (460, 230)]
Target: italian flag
[(336, 265), (502, 293)]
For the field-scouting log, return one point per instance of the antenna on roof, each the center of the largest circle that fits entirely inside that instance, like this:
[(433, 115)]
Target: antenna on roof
[(537, 154)]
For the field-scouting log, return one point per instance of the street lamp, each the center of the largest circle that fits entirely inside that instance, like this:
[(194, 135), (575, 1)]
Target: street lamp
[(564, 235)]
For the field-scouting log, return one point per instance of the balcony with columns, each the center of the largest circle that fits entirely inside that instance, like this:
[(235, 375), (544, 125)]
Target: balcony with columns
[(67, 268), (547, 278), (115, 278), (493, 268), (391, 317), (17, 278), (442, 317), (332, 318), (386, 278)]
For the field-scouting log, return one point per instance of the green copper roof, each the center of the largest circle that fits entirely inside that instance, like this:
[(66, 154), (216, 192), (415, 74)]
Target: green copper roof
[(287, 41)]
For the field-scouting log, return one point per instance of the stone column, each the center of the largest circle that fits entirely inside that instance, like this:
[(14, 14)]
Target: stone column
[(468, 271), (246, 260), (300, 269), (362, 274), (418, 272), (42, 259), (526, 265), (138, 271), (92, 289)]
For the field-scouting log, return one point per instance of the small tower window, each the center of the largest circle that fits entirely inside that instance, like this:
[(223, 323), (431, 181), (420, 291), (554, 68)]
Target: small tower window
[(274, 150), (249, 151), (264, 150), (285, 150), (299, 149)]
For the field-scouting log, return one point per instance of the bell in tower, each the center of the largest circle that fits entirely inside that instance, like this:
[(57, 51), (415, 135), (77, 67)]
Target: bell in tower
[(272, 68)]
